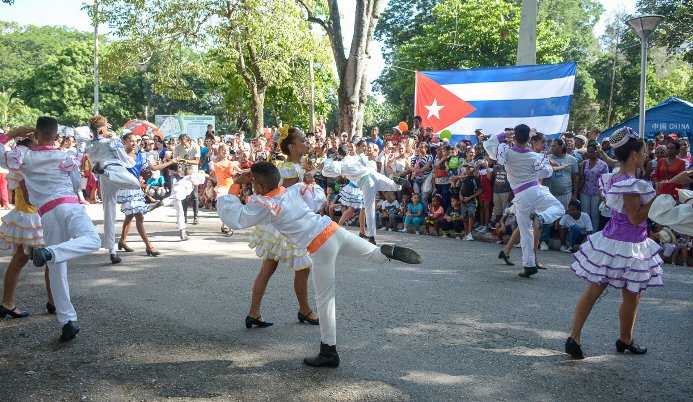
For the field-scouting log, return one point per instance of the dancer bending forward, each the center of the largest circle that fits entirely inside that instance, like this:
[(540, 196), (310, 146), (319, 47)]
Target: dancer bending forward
[(288, 212), (621, 255)]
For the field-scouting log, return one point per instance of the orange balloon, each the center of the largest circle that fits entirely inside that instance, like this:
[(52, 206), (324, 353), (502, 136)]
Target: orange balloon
[(403, 126)]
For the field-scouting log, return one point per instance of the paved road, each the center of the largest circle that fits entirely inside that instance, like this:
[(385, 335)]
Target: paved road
[(458, 327)]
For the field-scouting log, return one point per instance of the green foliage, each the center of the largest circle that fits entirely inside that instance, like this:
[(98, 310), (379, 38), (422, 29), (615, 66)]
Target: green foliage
[(460, 34), (14, 112), (675, 32)]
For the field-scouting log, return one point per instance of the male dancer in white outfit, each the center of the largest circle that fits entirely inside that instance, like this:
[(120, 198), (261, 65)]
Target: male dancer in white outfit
[(358, 170), (110, 163), (179, 192), (290, 211), (52, 179), (534, 204)]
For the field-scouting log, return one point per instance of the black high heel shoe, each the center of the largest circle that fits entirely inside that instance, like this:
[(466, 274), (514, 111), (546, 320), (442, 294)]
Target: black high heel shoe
[(258, 322), (306, 318), (124, 246), (505, 258), (50, 308), (153, 253), (4, 311), (632, 348), (573, 348)]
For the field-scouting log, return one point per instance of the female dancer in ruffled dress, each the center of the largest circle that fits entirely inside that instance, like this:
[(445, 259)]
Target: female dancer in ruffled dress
[(132, 202), (20, 228), (272, 246), (621, 255)]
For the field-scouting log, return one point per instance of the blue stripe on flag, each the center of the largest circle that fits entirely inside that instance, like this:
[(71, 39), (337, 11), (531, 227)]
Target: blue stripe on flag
[(502, 74), (522, 107)]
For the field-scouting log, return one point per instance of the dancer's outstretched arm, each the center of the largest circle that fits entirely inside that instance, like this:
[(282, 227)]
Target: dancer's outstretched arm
[(238, 216)]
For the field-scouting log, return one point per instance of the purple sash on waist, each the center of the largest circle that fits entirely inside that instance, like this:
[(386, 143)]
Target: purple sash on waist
[(525, 187), (619, 228)]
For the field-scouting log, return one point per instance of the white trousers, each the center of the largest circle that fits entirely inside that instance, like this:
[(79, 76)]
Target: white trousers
[(534, 200), (346, 244), (370, 187), (178, 205), (69, 233), (116, 178)]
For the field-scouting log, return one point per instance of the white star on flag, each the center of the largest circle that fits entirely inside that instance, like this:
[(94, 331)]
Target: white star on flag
[(434, 109)]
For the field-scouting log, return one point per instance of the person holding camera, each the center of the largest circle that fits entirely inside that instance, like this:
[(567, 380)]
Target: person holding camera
[(189, 153)]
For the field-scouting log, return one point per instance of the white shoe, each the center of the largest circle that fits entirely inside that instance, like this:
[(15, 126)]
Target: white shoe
[(389, 229), (499, 241), (518, 245), (469, 237), (543, 246), (384, 228), (566, 249), (417, 232), (483, 229), (402, 230)]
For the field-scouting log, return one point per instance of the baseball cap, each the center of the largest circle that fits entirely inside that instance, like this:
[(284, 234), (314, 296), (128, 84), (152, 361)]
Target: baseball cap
[(581, 137)]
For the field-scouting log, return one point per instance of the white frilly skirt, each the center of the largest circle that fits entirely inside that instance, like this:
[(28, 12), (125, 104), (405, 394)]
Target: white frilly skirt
[(131, 202), (619, 264), (351, 196), (269, 244), (20, 229)]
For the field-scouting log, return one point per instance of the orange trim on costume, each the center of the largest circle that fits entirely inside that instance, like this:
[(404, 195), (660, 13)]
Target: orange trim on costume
[(323, 237), (276, 191), (235, 189)]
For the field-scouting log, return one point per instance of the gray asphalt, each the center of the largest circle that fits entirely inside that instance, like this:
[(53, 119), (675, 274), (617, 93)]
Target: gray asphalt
[(461, 326)]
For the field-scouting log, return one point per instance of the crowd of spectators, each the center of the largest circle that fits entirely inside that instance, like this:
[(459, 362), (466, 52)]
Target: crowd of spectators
[(453, 190)]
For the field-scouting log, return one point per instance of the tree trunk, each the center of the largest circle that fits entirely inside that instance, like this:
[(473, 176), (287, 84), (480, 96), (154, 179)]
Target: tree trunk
[(352, 70), (258, 112)]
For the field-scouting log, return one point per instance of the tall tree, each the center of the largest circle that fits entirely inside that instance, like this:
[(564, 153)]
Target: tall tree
[(352, 68), (256, 39), (676, 30)]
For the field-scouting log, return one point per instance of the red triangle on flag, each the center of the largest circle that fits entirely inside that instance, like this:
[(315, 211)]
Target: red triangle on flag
[(438, 107)]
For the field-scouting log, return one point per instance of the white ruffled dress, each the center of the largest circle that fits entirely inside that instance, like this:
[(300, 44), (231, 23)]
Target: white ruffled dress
[(132, 202), (22, 225), (351, 196), (269, 244), (621, 255)]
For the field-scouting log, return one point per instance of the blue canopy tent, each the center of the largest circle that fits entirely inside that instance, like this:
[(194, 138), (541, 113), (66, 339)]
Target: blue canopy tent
[(672, 116)]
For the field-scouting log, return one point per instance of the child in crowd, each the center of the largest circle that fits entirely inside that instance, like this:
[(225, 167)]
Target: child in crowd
[(415, 215), (577, 225), (470, 190), (453, 221), (435, 215), (155, 189), (667, 239), (329, 196), (486, 196), (506, 224), (208, 195), (681, 252), (246, 191), (390, 210)]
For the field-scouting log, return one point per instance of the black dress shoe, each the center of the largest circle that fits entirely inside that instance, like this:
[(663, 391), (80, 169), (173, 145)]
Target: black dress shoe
[(115, 259), (403, 254), (153, 253), (306, 318), (632, 348), (195, 221), (154, 206), (40, 255), (258, 322), (14, 313), (505, 258), (371, 239), (50, 308), (573, 348), (70, 330), (529, 271), (327, 357)]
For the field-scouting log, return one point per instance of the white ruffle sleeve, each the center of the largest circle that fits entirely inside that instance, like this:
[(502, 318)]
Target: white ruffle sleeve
[(332, 168), (13, 158), (496, 149), (543, 167), (312, 194), (613, 192), (238, 216)]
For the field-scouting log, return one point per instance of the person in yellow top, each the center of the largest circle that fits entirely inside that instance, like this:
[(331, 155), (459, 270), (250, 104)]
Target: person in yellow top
[(20, 229)]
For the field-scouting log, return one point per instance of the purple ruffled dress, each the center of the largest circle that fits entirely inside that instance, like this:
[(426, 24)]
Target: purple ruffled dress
[(621, 255)]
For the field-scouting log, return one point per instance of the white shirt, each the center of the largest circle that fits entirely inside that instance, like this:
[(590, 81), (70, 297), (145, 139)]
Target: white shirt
[(108, 151), (352, 167), (290, 211), (48, 172), (188, 153), (584, 222), (522, 165)]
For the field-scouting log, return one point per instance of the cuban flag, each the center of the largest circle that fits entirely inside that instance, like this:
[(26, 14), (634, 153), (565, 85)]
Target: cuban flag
[(494, 98)]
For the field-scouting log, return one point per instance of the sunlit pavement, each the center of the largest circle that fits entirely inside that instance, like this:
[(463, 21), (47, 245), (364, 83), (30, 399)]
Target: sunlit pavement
[(460, 326)]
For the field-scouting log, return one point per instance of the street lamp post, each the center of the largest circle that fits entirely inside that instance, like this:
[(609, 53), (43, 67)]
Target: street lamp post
[(643, 26)]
